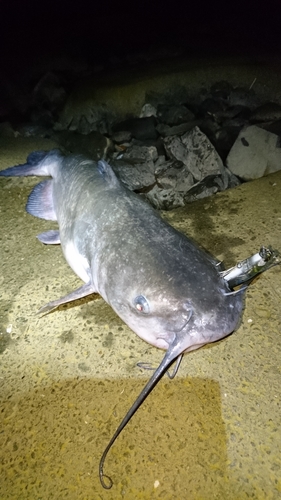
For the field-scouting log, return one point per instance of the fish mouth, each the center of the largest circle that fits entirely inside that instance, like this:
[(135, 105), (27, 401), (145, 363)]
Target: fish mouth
[(163, 342)]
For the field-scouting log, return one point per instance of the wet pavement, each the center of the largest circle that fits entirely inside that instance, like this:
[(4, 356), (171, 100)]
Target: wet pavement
[(68, 378)]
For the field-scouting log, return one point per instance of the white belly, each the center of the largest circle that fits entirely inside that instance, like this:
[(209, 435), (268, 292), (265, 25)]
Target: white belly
[(77, 262)]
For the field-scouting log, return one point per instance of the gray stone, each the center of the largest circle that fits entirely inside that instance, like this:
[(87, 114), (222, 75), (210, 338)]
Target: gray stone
[(91, 118), (200, 190), (255, 153), (274, 127), (232, 112), (243, 96), (167, 131), (266, 112), (139, 154), (94, 145), (202, 158), (221, 89), (233, 181), (174, 115), (160, 163), (211, 106), (162, 167), (176, 176), (122, 136), (135, 177), (176, 150), (32, 130), (165, 199), (148, 110), (140, 128)]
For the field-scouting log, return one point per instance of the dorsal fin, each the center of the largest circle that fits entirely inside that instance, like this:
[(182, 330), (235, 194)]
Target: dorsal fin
[(107, 173)]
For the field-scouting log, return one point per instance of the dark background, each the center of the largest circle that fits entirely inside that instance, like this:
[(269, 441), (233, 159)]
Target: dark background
[(31, 32)]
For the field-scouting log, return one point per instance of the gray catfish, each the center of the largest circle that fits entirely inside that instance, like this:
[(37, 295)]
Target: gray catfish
[(166, 289)]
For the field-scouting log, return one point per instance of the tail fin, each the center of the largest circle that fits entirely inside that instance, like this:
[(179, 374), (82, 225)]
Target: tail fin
[(37, 163)]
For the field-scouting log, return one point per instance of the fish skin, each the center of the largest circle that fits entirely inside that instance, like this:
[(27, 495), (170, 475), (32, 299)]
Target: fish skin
[(121, 248), (166, 289)]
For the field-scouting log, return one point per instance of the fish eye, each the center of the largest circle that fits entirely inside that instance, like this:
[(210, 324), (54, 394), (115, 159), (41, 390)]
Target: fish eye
[(141, 304)]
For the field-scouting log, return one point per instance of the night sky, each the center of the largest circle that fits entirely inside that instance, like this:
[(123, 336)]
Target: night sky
[(91, 31)]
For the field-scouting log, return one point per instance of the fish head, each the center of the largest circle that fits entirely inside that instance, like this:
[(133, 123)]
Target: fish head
[(179, 308)]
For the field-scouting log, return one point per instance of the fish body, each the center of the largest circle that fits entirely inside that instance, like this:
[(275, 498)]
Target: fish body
[(167, 290)]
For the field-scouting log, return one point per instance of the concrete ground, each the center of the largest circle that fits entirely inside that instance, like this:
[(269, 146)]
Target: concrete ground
[(68, 378)]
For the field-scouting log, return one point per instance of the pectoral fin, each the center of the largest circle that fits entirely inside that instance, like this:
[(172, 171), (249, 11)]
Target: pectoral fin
[(83, 291), (40, 201), (51, 237)]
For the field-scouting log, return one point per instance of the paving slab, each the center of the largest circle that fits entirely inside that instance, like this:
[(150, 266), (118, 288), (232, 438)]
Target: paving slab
[(68, 378)]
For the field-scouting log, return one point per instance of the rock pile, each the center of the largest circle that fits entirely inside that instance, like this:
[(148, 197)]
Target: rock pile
[(179, 149)]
